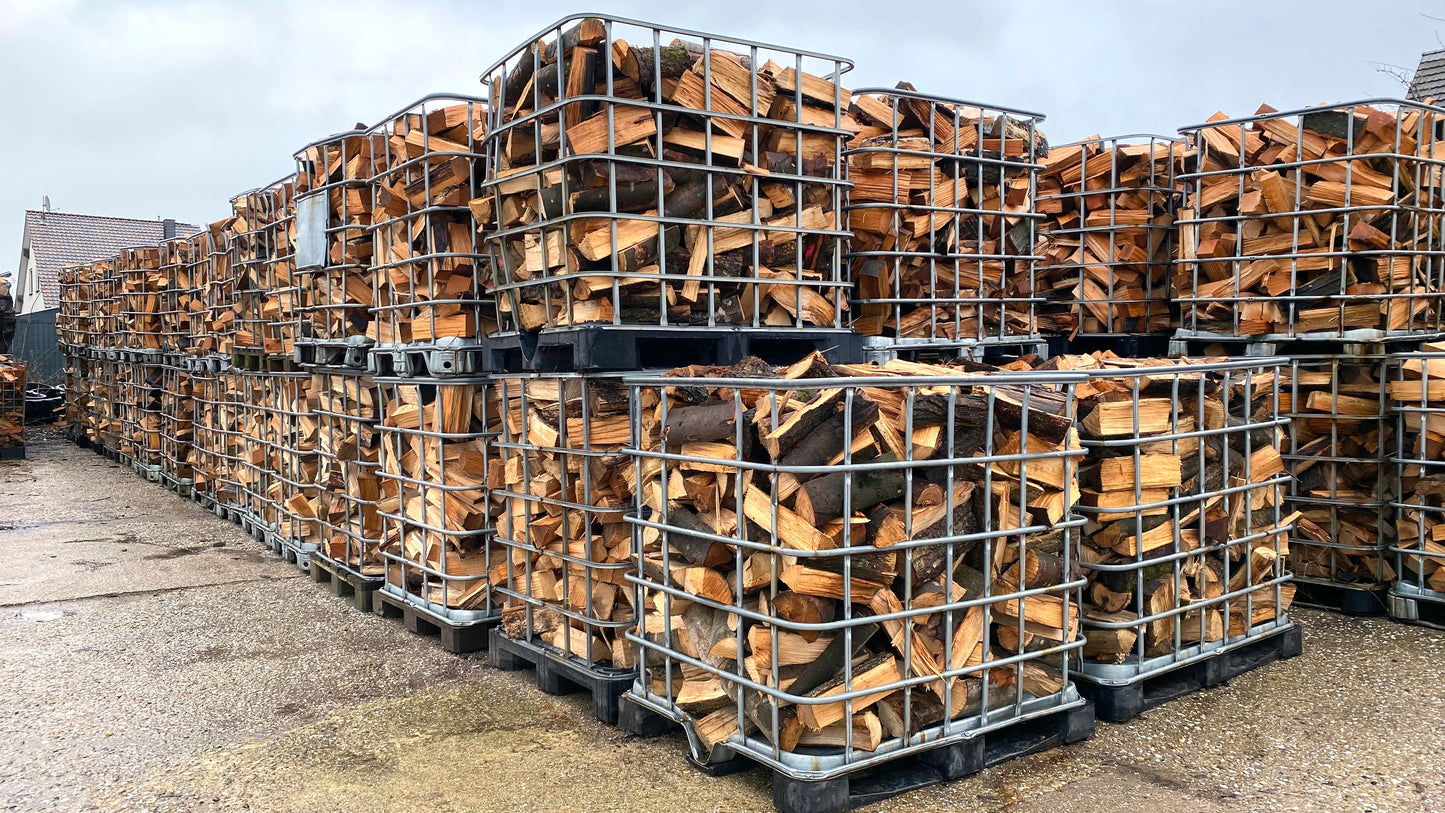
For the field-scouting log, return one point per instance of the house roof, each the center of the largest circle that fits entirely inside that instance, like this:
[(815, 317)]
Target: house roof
[(58, 239), (1429, 81)]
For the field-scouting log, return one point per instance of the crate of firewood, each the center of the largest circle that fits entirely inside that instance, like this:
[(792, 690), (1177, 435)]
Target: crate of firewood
[(101, 386), (1417, 393), (1186, 544), (212, 307), (442, 565), (209, 464), (1107, 238), (12, 408), (432, 305), (266, 308), (659, 181), (943, 217), (140, 411), (138, 318), (252, 430), (348, 443), (232, 413), (835, 559), (564, 493), (178, 297), (178, 409), (290, 431), (1341, 442), (334, 248), (72, 316), (80, 408), (1314, 223)]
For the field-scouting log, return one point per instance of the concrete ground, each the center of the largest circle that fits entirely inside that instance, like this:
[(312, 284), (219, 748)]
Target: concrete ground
[(153, 658)]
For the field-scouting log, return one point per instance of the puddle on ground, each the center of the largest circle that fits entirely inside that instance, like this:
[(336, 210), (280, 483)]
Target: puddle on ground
[(42, 615)]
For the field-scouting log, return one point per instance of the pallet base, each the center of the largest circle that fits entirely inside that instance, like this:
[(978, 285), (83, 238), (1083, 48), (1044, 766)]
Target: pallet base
[(333, 354), (1414, 610), (595, 348), (358, 590), (12, 453), (455, 638), (263, 363), (1342, 598), (1122, 703), (557, 675)]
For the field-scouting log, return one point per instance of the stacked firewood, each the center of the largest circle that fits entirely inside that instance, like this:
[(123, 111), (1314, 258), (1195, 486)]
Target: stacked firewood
[(432, 272), (1182, 487), (141, 282), (106, 304), (1417, 392), (178, 297), (1107, 238), (348, 442), (12, 403), (267, 306), (81, 411), (645, 179), (804, 500), (438, 521), (140, 411), (72, 317), (1315, 222), (565, 493), (1342, 437), (293, 461), (177, 422), (209, 462), (212, 306), (334, 175), (253, 431), (942, 215)]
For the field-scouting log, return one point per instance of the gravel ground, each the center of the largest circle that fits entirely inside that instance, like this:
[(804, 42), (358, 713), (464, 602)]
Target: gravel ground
[(154, 658)]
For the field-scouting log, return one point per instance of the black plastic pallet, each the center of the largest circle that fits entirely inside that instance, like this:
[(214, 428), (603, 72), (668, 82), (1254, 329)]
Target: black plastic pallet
[(356, 589), (945, 763), (560, 675), (1342, 598), (1120, 704), (1417, 611), (12, 452), (263, 363), (1252, 346), (1129, 346), (601, 348), (455, 638)]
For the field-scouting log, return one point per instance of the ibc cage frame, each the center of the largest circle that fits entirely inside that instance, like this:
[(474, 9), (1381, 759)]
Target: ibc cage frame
[(440, 585), (177, 425), (997, 461), (1158, 244), (1209, 433), (177, 258), (209, 446), (139, 290), (253, 477), (333, 212), (631, 189), (349, 466), (415, 197), (1417, 386), (215, 290), (264, 252), (957, 229), (294, 461), (1427, 170), (580, 461)]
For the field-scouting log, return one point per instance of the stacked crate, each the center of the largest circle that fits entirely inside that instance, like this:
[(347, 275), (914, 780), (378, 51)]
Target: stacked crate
[(348, 445), (1417, 391), (1316, 234), (12, 409), (293, 464)]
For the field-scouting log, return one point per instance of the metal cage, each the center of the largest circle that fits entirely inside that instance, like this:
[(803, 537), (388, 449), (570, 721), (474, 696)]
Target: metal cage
[(178, 409), (334, 244), (267, 288), (347, 413), (1417, 390), (138, 314), (177, 297)]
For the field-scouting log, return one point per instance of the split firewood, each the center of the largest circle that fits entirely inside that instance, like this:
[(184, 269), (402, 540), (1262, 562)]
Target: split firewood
[(1107, 238), (139, 273), (430, 263), (1342, 436), (1417, 392), (437, 515), (267, 305), (12, 402), (177, 296), (256, 427), (942, 216), (177, 422), (293, 457), (1154, 489), (209, 450), (335, 174), (566, 487), (702, 188), (348, 442), (1319, 222), (804, 502), (212, 306), (140, 411)]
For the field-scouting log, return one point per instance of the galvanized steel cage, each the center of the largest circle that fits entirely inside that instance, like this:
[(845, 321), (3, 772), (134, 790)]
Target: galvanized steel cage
[(12, 402), (334, 245), (294, 461), (1107, 235), (1323, 222), (662, 177), (267, 293), (1417, 390), (210, 458), (977, 452), (141, 282), (942, 212), (253, 466), (438, 521), (177, 423), (140, 411), (214, 301), (347, 412), (178, 297)]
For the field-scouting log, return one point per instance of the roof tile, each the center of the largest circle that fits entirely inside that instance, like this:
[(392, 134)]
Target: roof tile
[(59, 239)]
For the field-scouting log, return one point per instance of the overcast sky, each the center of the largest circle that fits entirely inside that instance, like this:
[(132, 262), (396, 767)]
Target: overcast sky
[(167, 108)]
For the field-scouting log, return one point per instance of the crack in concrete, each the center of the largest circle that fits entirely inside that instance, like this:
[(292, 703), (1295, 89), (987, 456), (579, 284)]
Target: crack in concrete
[(150, 591)]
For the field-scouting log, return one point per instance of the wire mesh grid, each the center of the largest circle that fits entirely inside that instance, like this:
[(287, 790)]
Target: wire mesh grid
[(347, 412), (438, 521), (141, 385), (255, 432), (210, 461), (1185, 549), (141, 281), (429, 261), (294, 458), (334, 244), (942, 212), (72, 318), (80, 408), (1107, 237), (764, 533), (178, 410), (12, 403), (649, 176), (1315, 223), (214, 297), (267, 293), (1417, 391), (565, 492), (1342, 438), (103, 385), (231, 401), (178, 297)]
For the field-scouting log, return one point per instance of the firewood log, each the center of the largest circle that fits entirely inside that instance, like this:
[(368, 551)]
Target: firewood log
[(1417, 392), (340, 291), (267, 293), (141, 281), (12, 402), (348, 443), (177, 422), (292, 456)]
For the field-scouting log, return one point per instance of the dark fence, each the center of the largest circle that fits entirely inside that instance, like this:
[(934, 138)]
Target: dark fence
[(35, 344)]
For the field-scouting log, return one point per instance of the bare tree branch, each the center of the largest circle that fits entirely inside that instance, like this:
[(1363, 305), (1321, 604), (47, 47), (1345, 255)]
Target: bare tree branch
[(1404, 76)]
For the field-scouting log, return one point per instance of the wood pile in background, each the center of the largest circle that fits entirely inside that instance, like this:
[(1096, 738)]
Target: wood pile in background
[(1317, 222), (1107, 238), (705, 188), (943, 216)]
